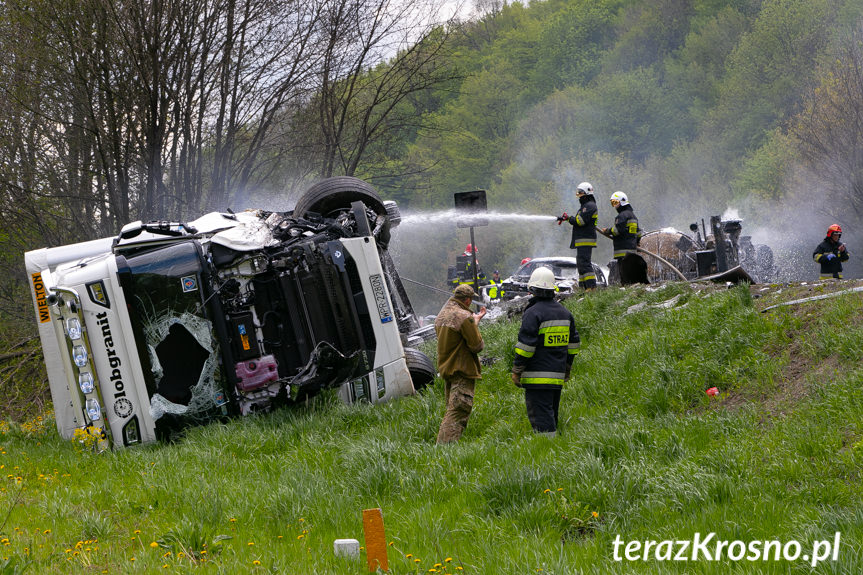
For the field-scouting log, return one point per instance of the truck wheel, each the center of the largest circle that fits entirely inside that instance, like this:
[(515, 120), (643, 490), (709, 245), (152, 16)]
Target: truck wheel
[(420, 367), (331, 196)]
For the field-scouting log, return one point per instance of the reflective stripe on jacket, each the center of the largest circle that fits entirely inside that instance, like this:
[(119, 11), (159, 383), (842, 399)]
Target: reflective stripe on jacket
[(584, 224), (547, 344), (625, 231)]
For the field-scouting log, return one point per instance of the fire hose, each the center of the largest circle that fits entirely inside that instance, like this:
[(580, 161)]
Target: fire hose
[(653, 255), (447, 292)]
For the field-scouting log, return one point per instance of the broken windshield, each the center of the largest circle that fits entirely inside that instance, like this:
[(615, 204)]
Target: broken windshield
[(178, 351)]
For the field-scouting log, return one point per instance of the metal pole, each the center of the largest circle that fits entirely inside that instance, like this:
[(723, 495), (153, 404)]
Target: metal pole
[(473, 254)]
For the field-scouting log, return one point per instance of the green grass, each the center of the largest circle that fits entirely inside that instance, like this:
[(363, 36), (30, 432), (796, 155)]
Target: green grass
[(640, 444)]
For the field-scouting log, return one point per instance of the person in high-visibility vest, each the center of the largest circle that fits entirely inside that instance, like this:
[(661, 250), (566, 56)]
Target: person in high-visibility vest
[(495, 289), (464, 269)]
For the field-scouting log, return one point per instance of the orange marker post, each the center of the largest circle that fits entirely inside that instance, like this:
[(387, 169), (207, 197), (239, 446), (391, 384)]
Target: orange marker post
[(376, 541)]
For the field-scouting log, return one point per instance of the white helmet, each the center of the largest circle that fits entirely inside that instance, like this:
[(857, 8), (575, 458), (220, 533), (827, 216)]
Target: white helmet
[(541, 278), (584, 187), (620, 197)]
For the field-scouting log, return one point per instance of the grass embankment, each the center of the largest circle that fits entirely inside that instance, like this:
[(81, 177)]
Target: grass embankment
[(642, 452)]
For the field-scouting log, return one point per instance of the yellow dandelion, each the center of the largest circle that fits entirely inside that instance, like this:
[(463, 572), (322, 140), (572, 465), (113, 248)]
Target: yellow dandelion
[(279, 537), (46, 532), (560, 488), (165, 566), (300, 536), (251, 543), (203, 552), (409, 555), (256, 562), (447, 560), (233, 519), (392, 543), (416, 560), (132, 559), (153, 544), (180, 555), (595, 514), (437, 565), (301, 519), (547, 491), (136, 531), (459, 568)]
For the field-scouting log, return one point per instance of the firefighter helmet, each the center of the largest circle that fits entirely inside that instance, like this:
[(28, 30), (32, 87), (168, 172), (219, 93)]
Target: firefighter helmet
[(469, 249), (834, 230), (620, 197), (584, 188), (542, 278), (525, 260)]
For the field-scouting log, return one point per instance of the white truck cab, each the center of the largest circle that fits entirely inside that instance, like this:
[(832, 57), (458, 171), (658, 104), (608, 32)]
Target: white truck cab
[(172, 324)]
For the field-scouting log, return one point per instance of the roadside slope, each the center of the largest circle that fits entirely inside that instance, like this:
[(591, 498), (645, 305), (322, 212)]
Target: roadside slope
[(776, 456)]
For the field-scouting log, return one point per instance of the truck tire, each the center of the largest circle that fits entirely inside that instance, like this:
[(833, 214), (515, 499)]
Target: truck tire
[(333, 195), (420, 367)]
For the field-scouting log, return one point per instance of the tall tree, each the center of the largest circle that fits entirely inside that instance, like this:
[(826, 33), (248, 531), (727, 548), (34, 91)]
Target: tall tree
[(829, 130), (375, 55)]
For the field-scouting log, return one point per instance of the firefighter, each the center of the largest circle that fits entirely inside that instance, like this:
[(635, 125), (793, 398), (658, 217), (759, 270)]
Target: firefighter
[(831, 253), (495, 289), (464, 268), (626, 235), (547, 344), (458, 345), (584, 234)]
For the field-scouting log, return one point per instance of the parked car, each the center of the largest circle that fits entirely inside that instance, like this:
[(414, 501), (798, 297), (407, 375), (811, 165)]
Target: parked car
[(565, 269), (172, 323)]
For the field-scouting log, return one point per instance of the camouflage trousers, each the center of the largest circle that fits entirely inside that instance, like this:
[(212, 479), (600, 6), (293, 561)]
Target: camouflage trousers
[(459, 403)]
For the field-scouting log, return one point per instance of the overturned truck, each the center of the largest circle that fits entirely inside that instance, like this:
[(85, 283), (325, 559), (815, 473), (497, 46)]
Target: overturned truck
[(176, 323), (723, 254)]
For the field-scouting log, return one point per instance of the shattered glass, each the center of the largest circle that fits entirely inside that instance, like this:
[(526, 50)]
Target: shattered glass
[(206, 388)]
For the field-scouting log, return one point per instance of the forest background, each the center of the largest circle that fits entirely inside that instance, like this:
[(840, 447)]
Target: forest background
[(117, 110)]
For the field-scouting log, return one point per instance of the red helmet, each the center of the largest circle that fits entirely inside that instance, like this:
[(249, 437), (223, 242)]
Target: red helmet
[(468, 249), (525, 260), (834, 229)]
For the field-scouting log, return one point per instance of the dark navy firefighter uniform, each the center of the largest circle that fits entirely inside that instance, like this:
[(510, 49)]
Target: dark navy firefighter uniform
[(584, 240), (547, 344), (625, 233), (830, 257)]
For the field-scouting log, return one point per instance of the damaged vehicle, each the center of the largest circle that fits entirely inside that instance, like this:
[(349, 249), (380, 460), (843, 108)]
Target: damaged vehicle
[(171, 324), (565, 269), (723, 254)]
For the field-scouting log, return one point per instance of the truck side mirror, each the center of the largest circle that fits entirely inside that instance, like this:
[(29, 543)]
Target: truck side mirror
[(131, 230)]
